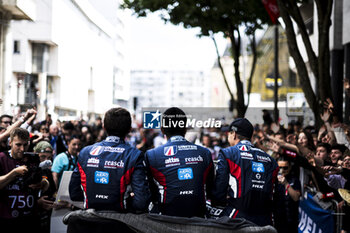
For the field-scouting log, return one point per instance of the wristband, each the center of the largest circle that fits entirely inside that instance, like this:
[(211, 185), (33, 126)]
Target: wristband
[(288, 153), (328, 195), (21, 119), (288, 186)]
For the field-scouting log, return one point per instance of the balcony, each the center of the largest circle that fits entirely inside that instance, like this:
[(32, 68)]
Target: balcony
[(19, 9)]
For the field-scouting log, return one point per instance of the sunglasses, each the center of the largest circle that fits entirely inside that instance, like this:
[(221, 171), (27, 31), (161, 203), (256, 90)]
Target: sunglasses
[(284, 168), (7, 122)]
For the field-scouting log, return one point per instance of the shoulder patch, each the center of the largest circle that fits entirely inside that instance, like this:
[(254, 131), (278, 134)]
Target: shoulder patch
[(170, 150), (96, 150)]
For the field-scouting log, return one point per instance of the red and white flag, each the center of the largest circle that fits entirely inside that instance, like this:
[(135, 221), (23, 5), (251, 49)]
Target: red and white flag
[(272, 9)]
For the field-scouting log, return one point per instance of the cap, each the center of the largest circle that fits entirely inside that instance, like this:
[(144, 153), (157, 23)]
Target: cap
[(241, 126), (345, 194), (42, 146)]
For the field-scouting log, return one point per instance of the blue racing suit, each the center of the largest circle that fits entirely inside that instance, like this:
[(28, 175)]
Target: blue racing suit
[(182, 174), (107, 172), (248, 176)]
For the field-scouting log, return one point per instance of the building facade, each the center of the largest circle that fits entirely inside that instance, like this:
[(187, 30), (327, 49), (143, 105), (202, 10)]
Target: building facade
[(167, 88), (70, 61), (11, 10)]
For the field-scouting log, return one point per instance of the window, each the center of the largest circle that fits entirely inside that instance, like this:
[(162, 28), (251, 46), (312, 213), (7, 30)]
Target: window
[(16, 46), (40, 57), (292, 79)]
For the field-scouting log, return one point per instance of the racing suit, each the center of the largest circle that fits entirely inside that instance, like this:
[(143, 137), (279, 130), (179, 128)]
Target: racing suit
[(248, 175), (181, 172), (108, 172)]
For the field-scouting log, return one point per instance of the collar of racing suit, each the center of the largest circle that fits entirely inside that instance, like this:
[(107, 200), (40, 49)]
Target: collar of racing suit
[(245, 142), (115, 139), (177, 138)]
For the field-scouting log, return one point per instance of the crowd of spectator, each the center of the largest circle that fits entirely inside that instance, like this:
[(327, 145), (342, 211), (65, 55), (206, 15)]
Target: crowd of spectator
[(311, 159)]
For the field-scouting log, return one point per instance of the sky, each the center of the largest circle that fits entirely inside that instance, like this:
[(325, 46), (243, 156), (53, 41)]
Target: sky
[(156, 45)]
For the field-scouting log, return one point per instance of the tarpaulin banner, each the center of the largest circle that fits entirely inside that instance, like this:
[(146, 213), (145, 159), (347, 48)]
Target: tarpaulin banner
[(314, 219)]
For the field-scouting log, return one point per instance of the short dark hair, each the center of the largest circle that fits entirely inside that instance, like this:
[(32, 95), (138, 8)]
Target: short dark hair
[(241, 137), (325, 145), (20, 133), (68, 126), (341, 147), (5, 115), (175, 115), (117, 122), (74, 136)]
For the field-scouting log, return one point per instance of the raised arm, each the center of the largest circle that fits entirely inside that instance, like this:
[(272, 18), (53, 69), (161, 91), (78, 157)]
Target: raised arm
[(17, 124), (284, 144)]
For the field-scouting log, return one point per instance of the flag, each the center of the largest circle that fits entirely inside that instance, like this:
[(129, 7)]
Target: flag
[(272, 9)]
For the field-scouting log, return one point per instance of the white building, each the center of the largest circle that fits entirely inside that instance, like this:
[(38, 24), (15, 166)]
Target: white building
[(11, 10), (71, 60), (167, 88)]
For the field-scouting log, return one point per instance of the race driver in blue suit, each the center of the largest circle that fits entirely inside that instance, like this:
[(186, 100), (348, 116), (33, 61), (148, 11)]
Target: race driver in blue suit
[(247, 175), (180, 172), (110, 175)]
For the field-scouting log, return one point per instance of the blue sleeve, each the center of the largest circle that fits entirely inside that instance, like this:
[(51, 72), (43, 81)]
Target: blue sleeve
[(58, 163), (221, 181), (139, 186), (75, 188)]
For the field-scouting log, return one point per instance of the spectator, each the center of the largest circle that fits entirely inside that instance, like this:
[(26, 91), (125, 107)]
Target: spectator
[(22, 120), (64, 137), (45, 152), (286, 199), (5, 120), (207, 143), (66, 161), (322, 151), (48, 121), (336, 154), (304, 145), (267, 117), (159, 140), (18, 200), (337, 181), (53, 136)]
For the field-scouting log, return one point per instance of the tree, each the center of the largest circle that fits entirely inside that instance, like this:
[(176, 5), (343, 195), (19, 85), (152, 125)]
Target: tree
[(319, 64), (213, 17)]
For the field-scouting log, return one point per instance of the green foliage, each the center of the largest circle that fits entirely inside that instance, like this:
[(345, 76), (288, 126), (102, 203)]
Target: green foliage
[(211, 16)]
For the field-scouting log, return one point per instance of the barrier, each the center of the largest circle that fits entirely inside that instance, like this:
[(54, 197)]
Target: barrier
[(338, 215), (318, 216), (312, 218)]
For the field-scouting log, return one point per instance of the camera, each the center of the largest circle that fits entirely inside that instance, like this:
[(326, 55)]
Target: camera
[(33, 176)]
